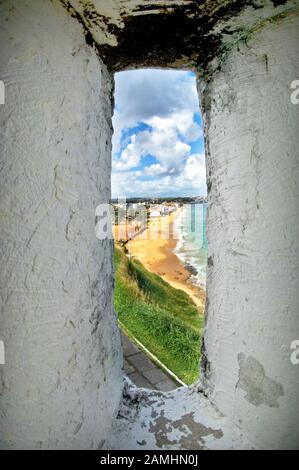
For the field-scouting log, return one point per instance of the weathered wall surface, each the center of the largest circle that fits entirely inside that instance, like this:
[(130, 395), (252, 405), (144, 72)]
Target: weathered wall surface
[(61, 384), (188, 34), (253, 225), (252, 146)]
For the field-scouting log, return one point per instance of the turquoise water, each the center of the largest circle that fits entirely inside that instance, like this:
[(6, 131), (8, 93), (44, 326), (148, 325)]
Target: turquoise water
[(192, 244)]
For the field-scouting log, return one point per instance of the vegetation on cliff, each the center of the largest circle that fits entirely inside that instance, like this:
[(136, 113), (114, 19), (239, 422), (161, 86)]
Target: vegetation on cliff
[(165, 320)]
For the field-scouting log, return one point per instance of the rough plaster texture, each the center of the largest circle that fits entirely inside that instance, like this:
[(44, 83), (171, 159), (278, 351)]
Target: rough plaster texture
[(181, 419), (253, 225), (61, 384), (188, 34)]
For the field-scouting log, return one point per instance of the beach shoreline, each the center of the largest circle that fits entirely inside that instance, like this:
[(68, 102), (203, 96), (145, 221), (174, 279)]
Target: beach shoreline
[(157, 254)]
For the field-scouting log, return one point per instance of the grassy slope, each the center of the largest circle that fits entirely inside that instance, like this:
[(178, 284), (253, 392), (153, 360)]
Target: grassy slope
[(164, 319)]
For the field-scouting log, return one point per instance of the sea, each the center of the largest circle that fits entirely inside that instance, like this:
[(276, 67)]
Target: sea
[(192, 245)]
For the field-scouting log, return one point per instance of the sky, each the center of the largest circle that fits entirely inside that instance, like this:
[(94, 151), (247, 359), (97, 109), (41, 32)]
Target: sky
[(157, 146)]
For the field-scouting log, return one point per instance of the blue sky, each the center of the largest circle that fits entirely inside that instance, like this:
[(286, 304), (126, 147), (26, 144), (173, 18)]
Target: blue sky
[(158, 147)]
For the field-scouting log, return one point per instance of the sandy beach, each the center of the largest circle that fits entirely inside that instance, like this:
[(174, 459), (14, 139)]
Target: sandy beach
[(154, 248)]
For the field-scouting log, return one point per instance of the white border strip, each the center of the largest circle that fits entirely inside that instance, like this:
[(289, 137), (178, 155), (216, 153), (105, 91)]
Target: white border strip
[(153, 357)]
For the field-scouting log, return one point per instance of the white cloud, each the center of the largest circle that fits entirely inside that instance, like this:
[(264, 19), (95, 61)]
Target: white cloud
[(163, 141), (158, 106), (154, 170), (191, 180), (142, 94), (194, 173), (181, 122), (130, 157)]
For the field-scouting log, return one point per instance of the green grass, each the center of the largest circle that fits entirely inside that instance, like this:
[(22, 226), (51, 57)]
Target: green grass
[(164, 319)]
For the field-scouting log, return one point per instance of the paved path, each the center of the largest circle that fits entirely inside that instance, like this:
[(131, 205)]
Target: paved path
[(142, 371)]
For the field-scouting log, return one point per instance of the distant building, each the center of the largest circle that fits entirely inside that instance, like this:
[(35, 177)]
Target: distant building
[(155, 213)]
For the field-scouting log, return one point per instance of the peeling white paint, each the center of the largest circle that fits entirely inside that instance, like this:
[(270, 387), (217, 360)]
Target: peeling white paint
[(181, 419)]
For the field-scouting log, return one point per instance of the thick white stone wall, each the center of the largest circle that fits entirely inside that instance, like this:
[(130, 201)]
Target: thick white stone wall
[(62, 383), (253, 226)]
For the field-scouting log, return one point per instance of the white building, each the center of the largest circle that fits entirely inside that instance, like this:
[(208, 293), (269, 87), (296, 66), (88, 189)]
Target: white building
[(155, 213)]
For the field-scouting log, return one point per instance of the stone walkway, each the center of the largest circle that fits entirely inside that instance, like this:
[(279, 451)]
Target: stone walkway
[(142, 371)]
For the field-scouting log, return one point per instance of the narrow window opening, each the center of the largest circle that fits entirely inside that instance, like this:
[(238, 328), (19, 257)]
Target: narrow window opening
[(159, 225)]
